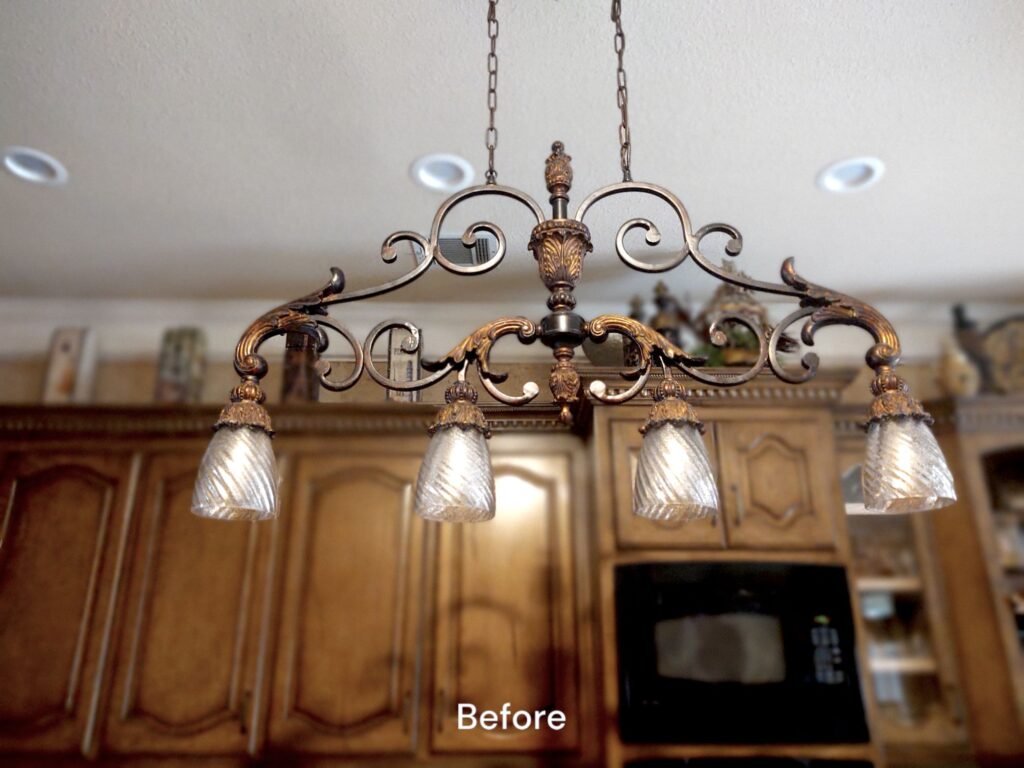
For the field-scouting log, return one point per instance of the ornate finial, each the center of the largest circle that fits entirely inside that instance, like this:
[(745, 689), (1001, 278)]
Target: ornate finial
[(558, 177)]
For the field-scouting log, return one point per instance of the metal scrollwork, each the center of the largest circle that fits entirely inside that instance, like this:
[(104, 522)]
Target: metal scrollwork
[(653, 234), (410, 346), (559, 244), (649, 343), (477, 347)]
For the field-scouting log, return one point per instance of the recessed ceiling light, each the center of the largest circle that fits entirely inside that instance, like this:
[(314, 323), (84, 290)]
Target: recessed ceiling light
[(442, 172), (35, 166), (851, 175)]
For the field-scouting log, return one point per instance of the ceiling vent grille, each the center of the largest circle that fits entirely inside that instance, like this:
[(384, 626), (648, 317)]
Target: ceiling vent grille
[(453, 249)]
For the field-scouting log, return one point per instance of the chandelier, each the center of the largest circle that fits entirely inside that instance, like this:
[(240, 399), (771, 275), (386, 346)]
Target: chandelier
[(904, 470)]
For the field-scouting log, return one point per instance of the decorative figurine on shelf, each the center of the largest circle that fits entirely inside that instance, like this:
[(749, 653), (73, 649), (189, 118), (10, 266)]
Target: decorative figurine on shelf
[(957, 375), (998, 352), (670, 319), (725, 312)]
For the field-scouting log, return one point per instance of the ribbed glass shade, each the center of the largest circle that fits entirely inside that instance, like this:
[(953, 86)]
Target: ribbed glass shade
[(237, 477), (904, 470), (455, 482), (674, 480)]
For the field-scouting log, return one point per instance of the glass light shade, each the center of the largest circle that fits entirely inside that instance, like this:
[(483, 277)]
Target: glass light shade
[(455, 482), (904, 470), (674, 481), (237, 477)]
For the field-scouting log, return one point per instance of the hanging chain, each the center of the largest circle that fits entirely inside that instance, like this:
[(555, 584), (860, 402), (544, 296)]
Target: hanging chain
[(622, 95), (491, 134)]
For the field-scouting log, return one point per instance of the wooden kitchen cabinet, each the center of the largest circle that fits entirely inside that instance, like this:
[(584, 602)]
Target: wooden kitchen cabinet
[(62, 517), (777, 482), (351, 628), (184, 672), (506, 618), (910, 654), (639, 532), (133, 631)]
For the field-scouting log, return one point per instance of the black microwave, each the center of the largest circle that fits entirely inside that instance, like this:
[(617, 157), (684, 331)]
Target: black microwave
[(746, 653)]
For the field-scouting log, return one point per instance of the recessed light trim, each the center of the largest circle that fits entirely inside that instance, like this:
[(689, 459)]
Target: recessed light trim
[(32, 165), (441, 172), (854, 174)]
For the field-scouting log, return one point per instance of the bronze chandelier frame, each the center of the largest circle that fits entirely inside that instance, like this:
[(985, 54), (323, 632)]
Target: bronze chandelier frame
[(560, 244)]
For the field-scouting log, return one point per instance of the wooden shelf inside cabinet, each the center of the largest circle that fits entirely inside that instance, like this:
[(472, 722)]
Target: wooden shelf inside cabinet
[(904, 665), (895, 584)]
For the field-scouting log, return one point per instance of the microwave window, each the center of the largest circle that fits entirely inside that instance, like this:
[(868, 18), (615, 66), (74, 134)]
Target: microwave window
[(721, 648)]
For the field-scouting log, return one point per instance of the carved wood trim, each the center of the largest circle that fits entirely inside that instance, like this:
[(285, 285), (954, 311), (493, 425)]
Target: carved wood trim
[(20, 422), (43, 719), (293, 707), (792, 513)]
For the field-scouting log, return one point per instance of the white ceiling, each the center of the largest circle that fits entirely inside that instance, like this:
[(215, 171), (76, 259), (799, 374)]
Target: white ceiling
[(238, 148)]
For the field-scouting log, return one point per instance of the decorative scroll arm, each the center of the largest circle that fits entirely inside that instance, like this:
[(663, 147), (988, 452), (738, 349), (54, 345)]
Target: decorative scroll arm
[(649, 344), (834, 308), (477, 347), (296, 316)]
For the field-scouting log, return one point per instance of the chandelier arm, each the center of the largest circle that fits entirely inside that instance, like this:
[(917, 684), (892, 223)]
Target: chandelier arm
[(469, 236), (378, 330), (653, 236), (809, 362), (649, 344), (835, 308), (719, 338), (477, 347), (323, 366), (297, 316)]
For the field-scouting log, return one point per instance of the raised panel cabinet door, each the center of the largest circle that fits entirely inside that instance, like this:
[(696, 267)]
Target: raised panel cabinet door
[(61, 520), (778, 482), (506, 629), (639, 532), (345, 680), (186, 640)]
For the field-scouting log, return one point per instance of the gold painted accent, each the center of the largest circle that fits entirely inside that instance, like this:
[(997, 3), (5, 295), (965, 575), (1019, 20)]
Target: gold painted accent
[(558, 171), (835, 308), (646, 339), (559, 246), (248, 390), (245, 413), (670, 407), (893, 399), (564, 382), (671, 410), (478, 344), (462, 414)]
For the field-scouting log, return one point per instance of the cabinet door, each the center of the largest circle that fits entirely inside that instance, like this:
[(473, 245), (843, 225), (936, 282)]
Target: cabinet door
[(185, 653), (61, 518), (506, 630), (345, 678), (632, 531), (778, 482)]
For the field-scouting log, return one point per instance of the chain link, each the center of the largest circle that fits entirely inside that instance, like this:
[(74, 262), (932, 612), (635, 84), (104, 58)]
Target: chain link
[(491, 134), (622, 95)]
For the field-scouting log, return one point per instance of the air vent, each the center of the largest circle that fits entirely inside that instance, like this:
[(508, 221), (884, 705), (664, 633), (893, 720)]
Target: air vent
[(457, 253)]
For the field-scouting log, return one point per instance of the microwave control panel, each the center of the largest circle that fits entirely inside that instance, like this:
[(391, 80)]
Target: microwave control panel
[(828, 655)]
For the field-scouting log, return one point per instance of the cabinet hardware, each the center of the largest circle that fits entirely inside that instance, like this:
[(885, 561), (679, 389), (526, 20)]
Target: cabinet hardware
[(740, 511), (244, 712)]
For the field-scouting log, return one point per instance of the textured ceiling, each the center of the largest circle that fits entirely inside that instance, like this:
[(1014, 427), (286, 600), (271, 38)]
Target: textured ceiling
[(238, 148)]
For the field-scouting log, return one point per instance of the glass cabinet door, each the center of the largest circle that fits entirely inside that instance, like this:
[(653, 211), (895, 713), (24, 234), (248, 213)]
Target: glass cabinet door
[(909, 654), (1004, 476)]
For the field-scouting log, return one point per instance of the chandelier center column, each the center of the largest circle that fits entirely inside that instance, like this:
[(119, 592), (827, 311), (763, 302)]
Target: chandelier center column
[(559, 245)]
